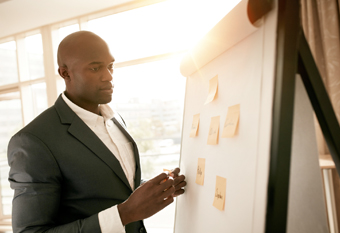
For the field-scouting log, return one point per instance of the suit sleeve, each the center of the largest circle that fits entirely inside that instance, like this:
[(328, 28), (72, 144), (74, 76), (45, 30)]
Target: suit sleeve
[(36, 179)]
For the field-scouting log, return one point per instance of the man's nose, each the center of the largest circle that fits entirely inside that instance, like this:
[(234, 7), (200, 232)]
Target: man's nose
[(107, 76)]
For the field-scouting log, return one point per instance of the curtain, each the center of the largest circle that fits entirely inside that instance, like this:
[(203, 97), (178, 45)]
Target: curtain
[(321, 25)]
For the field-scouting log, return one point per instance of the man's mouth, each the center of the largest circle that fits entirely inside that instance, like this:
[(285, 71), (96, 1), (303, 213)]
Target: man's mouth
[(108, 88)]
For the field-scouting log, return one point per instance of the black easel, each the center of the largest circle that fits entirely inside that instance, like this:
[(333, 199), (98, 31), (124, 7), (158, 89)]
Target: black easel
[(293, 57)]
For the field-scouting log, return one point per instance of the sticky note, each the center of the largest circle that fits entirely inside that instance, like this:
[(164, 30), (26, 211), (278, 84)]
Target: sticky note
[(170, 175), (195, 125), (220, 191), (200, 171), (213, 86), (214, 130), (167, 171), (231, 122)]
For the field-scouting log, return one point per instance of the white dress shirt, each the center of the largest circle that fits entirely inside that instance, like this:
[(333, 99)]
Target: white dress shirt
[(121, 148)]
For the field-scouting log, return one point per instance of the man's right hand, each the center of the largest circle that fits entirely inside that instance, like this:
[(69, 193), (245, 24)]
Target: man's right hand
[(147, 199)]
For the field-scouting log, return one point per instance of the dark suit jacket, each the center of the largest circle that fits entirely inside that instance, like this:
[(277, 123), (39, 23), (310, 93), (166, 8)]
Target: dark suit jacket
[(63, 175)]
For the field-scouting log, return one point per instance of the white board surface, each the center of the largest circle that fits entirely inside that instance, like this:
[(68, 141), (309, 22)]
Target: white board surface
[(235, 158), (240, 69)]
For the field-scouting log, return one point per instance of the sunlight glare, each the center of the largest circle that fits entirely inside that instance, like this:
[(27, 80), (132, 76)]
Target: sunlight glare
[(197, 17), (170, 26)]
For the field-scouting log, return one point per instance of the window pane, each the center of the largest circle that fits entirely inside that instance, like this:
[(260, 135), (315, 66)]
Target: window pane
[(159, 28), (10, 123), (58, 36), (150, 98), (34, 100), (34, 58), (65, 31), (39, 98), (61, 87), (8, 63)]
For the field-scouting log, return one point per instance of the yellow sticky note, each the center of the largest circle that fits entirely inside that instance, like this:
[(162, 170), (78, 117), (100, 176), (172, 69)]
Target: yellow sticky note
[(214, 130), (213, 86), (195, 125), (200, 171), (231, 122), (220, 191)]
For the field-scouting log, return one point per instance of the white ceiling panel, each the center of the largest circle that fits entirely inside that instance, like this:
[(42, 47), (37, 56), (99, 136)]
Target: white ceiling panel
[(22, 15)]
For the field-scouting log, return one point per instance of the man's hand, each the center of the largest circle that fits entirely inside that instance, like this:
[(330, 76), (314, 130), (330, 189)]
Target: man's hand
[(147, 199), (179, 182)]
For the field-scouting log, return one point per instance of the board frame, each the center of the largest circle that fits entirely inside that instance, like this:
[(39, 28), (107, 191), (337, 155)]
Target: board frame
[(293, 56)]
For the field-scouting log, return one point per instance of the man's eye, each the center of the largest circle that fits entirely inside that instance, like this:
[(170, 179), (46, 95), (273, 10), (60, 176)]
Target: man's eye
[(95, 68), (111, 68)]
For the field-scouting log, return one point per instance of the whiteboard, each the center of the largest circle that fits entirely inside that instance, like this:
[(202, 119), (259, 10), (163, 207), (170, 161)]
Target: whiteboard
[(243, 57)]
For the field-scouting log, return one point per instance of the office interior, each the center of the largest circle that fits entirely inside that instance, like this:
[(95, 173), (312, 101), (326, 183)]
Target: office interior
[(148, 39)]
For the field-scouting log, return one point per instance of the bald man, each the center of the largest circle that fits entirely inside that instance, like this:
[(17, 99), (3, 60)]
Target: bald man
[(75, 168)]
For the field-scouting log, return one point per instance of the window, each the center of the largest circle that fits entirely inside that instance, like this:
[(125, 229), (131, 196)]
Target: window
[(10, 123), (8, 63), (22, 97), (150, 98), (32, 64), (34, 100)]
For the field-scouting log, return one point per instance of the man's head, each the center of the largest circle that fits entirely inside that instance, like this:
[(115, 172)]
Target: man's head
[(86, 65)]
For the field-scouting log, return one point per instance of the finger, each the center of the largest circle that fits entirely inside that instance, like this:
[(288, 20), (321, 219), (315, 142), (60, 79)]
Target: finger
[(164, 180), (178, 192), (169, 192), (158, 179), (180, 185), (179, 179), (167, 184), (175, 172)]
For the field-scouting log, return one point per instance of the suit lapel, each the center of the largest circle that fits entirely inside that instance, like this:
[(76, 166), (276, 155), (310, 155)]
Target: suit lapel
[(84, 134), (89, 139), (136, 153)]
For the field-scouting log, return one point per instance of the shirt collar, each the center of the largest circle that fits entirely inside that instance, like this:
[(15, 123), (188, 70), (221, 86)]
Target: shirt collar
[(88, 117)]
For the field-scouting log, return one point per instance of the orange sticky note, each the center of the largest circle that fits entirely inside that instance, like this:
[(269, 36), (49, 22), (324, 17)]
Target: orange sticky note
[(200, 171), (195, 125), (220, 191), (169, 172), (213, 86), (214, 130), (231, 122)]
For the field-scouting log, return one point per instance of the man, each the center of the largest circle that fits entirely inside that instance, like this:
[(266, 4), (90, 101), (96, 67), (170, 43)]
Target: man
[(75, 168)]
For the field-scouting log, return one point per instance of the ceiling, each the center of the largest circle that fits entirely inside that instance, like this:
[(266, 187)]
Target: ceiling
[(22, 15)]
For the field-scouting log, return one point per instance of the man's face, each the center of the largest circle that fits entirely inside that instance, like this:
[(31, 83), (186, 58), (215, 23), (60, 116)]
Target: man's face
[(90, 74)]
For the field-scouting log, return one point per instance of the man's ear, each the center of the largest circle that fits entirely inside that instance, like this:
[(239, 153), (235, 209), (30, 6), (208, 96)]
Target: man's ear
[(63, 72)]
